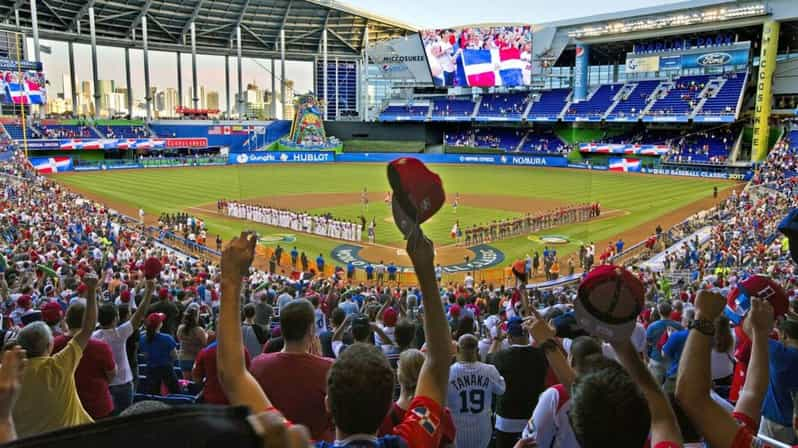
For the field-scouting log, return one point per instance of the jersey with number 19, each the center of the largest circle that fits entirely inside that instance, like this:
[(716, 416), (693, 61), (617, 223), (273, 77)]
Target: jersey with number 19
[(470, 399)]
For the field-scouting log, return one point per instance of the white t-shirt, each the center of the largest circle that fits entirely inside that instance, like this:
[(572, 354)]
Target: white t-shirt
[(549, 424), (117, 339)]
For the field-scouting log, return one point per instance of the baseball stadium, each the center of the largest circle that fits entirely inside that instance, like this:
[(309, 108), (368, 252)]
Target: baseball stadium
[(153, 141)]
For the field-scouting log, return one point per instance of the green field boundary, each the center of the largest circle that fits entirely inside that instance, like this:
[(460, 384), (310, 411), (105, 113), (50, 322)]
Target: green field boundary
[(356, 145), (472, 150)]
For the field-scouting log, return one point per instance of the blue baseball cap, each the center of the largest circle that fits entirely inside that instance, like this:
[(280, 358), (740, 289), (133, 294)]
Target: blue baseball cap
[(515, 326)]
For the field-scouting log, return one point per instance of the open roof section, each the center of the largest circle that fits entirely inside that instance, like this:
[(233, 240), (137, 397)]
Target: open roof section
[(118, 23)]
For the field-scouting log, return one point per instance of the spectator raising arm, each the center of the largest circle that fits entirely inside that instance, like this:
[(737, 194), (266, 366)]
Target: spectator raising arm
[(239, 385), (432, 381), (90, 316), (694, 381), (10, 383), (664, 427), (141, 311), (544, 335)]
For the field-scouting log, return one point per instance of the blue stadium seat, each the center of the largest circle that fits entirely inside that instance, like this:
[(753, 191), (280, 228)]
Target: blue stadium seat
[(681, 98), (549, 106), (725, 101), (453, 108), (506, 106), (404, 113), (634, 103), (596, 106)]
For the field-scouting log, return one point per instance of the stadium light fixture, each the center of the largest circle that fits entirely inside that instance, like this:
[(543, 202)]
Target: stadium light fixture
[(670, 21)]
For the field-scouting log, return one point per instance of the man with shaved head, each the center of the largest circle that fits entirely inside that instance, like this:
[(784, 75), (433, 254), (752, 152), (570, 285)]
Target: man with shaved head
[(470, 396)]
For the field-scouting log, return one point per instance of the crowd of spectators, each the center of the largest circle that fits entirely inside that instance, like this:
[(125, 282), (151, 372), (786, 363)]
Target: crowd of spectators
[(97, 314)]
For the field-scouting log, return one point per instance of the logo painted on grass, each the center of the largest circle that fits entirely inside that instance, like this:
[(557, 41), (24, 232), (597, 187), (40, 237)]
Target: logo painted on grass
[(549, 239), (277, 238), (483, 256)]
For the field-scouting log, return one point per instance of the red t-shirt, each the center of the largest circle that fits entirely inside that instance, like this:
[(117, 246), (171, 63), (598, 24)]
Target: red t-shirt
[(205, 366), (397, 414), (296, 384), (91, 378)]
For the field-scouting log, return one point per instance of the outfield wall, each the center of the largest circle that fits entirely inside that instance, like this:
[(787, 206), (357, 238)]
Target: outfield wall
[(295, 157)]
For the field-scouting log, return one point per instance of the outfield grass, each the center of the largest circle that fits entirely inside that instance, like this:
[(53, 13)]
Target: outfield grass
[(642, 198)]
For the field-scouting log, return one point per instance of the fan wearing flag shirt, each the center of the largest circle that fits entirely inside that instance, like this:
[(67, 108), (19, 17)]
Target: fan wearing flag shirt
[(361, 382)]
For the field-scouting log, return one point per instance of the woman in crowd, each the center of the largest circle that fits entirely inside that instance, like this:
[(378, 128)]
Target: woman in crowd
[(192, 339), (160, 352)]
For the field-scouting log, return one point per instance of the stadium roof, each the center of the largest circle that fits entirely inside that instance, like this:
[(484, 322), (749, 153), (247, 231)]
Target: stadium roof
[(118, 23)]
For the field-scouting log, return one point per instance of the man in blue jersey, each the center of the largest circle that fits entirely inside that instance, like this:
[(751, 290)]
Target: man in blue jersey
[(361, 382)]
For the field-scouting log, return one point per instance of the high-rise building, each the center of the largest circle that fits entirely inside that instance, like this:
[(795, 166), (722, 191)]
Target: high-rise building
[(288, 107), (67, 88), (171, 102), (203, 101), (213, 100)]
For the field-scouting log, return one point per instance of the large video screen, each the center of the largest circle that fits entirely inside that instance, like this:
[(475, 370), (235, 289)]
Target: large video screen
[(22, 82), (480, 56)]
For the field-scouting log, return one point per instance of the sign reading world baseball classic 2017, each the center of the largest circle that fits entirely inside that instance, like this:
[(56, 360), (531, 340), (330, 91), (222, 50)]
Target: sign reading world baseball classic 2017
[(484, 256)]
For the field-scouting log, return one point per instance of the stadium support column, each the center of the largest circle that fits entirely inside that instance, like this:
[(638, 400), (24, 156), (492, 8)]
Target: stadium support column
[(72, 81), (129, 84), (35, 26), (180, 79), (364, 76), (324, 67), (227, 84), (274, 91), (240, 102), (337, 104), (581, 65), (147, 92), (94, 68), (194, 91), (764, 90), (282, 72)]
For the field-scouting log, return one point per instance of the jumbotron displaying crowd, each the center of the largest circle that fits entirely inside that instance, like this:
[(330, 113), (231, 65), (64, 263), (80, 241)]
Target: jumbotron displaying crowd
[(103, 324)]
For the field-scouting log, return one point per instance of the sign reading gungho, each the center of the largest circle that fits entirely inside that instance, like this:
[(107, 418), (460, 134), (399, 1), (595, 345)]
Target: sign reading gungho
[(484, 256)]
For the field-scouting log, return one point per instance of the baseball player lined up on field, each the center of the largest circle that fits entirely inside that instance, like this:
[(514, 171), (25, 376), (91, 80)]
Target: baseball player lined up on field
[(300, 222), (511, 227)]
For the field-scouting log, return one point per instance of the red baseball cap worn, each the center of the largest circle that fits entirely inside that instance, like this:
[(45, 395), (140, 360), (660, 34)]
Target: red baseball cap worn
[(417, 193), (609, 300), (154, 319), (152, 267), (51, 313), (24, 301), (389, 317)]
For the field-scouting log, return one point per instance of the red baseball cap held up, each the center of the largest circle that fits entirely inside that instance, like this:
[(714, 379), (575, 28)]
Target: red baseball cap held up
[(609, 300), (417, 193)]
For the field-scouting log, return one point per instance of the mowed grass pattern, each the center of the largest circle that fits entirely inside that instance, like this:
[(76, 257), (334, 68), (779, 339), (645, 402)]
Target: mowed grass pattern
[(642, 198)]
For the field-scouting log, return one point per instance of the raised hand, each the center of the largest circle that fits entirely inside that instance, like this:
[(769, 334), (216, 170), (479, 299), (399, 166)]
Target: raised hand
[(538, 328), (709, 305), (760, 317), (90, 279), (14, 363), (238, 255), (421, 250)]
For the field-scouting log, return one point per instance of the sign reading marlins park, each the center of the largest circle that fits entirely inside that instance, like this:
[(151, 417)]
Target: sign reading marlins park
[(402, 58), (484, 257)]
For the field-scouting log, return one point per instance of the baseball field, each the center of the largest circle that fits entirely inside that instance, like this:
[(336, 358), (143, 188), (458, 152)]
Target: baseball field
[(632, 204)]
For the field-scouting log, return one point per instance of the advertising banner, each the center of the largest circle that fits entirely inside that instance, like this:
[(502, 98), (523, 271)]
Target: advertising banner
[(714, 58), (764, 90), (581, 65), (281, 157), (642, 64), (197, 142), (402, 58)]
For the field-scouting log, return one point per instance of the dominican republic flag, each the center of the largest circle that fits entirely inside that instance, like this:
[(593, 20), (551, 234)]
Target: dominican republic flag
[(624, 165), (34, 92), (77, 144), (488, 68), (50, 165), (16, 93)]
